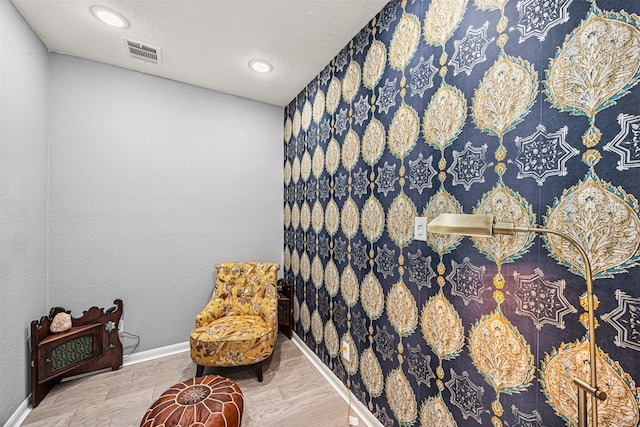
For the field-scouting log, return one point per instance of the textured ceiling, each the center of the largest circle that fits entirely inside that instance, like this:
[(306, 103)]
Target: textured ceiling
[(208, 43)]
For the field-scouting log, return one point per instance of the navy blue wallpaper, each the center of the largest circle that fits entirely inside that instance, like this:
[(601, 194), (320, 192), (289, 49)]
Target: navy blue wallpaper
[(525, 110)]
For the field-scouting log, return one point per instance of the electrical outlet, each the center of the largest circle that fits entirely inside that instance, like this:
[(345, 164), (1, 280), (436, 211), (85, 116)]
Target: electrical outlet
[(420, 228), (345, 350)]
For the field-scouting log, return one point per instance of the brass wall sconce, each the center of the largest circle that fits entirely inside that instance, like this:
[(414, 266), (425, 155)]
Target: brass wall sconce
[(485, 226)]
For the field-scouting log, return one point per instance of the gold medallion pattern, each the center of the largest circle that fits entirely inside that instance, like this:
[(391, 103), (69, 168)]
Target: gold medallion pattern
[(287, 172), (332, 156), (597, 64), (402, 310), (305, 216), (442, 19), (332, 217), (305, 120), (444, 117), (374, 64), (331, 278), (501, 354), (296, 124), (288, 129), (400, 220), (497, 5), (305, 166), (350, 219), (350, 150), (295, 261), (351, 365), (317, 272), (287, 215), (505, 95), (351, 82), (318, 162), (404, 131), (490, 4), (295, 216), (318, 107), (286, 259), (442, 202), (296, 309), (305, 317), (349, 286), (331, 338), (404, 42), (317, 328), (372, 219), (333, 95), (371, 373), (317, 217), (435, 413), (305, 266), (505, 205), (295, 170), (373, 142), (603, 219), (442, 327), (372, 296), (401, 398), (571, 361)]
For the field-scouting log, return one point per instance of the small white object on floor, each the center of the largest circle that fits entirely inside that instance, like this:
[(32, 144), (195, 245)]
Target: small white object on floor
[(353, 421)]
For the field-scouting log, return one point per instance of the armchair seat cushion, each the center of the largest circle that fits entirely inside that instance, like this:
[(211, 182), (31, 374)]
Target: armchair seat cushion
[(232, 341), (236, 328)]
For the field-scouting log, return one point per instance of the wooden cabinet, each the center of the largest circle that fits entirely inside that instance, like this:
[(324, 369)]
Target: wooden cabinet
[(91, 344), (63, 352), (285, 313)]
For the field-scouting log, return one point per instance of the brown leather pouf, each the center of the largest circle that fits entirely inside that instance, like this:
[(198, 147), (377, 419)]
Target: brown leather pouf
[(208, 401)]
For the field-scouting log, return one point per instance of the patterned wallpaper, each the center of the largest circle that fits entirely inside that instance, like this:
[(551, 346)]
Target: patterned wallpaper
[(524, 109)]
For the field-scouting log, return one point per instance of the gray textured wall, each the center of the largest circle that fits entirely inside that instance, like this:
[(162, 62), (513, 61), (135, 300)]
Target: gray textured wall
[(24, 117), (152, 182)]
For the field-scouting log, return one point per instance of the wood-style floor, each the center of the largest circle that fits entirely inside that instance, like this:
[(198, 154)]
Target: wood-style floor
[(293, 393)]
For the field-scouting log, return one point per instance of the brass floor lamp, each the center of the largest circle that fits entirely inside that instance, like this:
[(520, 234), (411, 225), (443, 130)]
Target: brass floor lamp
[(485, 226)]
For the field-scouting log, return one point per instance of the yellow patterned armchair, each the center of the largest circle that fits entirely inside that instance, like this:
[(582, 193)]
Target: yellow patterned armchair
[(239, 325)]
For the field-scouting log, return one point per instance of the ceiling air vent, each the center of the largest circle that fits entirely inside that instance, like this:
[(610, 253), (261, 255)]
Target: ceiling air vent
[(143, 52)]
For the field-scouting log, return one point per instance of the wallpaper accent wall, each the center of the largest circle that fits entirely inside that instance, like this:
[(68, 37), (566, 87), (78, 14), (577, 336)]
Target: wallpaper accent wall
[(526, 110)]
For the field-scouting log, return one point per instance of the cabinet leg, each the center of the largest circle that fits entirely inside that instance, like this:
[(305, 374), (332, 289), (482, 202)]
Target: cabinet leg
[(199, 370)]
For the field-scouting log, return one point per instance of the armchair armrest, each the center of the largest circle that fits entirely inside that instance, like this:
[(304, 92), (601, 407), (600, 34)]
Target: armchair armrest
[(269, 311), (211, 312)]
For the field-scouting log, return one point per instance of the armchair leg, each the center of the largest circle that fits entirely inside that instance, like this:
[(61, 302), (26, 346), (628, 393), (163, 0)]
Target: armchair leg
[(199, 370), (258, 370)]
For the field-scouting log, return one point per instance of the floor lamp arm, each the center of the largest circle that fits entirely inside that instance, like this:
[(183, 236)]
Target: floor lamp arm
[(591, 388)]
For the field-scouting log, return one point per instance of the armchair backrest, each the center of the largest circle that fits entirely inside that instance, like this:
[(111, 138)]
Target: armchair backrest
[(243, 286)]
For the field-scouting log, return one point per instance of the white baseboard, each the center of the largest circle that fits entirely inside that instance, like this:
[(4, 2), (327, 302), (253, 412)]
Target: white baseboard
[(20, 414), (358, 407), (147, 355)]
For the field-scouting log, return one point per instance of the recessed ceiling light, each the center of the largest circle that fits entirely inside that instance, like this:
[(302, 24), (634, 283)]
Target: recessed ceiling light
[(109, 17), (260, 66)]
